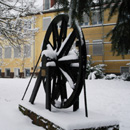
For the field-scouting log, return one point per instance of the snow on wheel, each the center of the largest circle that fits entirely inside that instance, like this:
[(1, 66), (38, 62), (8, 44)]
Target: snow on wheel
[(63, 64)]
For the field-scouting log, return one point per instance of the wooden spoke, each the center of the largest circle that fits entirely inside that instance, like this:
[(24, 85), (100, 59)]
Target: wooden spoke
[(68, 75), (55, 36), (46, 38), (55, 89), (69, 61), (48, 42), (67, 45), (63, 32), (63, 91), (44, 83)]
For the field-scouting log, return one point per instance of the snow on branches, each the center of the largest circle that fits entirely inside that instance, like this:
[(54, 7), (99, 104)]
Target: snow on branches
[(15, 28)]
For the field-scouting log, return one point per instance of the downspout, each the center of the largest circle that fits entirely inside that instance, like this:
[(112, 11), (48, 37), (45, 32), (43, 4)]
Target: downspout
[(34, 46), (103, 50)]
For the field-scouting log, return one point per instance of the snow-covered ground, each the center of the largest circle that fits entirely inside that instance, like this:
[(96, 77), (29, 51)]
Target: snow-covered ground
[(108, 97)]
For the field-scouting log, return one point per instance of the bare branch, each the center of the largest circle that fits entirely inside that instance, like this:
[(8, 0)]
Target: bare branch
[(14, 28)]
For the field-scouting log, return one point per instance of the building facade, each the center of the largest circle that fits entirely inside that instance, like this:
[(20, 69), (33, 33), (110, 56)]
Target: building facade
[(20, 61), (97, 44), (17, 60)]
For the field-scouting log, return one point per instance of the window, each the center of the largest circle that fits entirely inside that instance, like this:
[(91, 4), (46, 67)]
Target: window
[(46, 22), (17, 52), (46, 4), (7, 52), (97, 47), (124, 69), (26, 72), (96, 18), (85, 20), (7, 72), (16, 72), (27, 25), (27, 50), (19, 25), (0, 53)]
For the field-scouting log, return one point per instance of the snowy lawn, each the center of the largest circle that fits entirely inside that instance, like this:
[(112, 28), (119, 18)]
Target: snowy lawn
[(108, 97)]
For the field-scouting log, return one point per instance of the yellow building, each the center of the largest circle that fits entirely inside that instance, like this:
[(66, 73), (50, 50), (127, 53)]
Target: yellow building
[(98, 46), (17, 61), (21, 62)]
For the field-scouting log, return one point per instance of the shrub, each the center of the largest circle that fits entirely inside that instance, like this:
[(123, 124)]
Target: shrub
[(95, 72), (125, 76), (110, 76)]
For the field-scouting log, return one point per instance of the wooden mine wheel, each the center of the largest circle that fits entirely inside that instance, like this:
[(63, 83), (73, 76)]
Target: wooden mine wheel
[(63, 63)]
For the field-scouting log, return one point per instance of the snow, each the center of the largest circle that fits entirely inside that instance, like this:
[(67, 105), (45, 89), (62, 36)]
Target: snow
[(63, 43), (70, 81), (128, 64), (51, 63), (71, 56), (92, 76), (57, 103), (80, 32), (28, 6), (74, 64), (110, 76), (39, 4), (105, 97), (11, 91), (49, 54), (68, 57)]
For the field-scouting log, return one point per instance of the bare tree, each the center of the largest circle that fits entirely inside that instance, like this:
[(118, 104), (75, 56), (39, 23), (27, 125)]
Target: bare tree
[(15, 27)]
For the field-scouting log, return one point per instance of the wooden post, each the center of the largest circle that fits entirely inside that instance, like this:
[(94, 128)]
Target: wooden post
[(48, 89)]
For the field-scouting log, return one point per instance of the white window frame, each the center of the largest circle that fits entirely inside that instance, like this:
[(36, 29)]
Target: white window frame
[(49, 4), (10, 52), (25, 75), (45, 27), (15, 75), (27, 25), (97, 42), (124, 67), (18, 48), (83, 24), (25, 54), (6, 72), (97, 19)]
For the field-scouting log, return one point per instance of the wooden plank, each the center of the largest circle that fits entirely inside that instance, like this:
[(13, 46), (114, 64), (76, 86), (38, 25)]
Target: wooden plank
[(49, 125)]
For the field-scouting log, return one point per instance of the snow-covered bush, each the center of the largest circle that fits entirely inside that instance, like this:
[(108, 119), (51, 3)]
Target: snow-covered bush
[(125, 76), (94, 72), (110, 76)]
